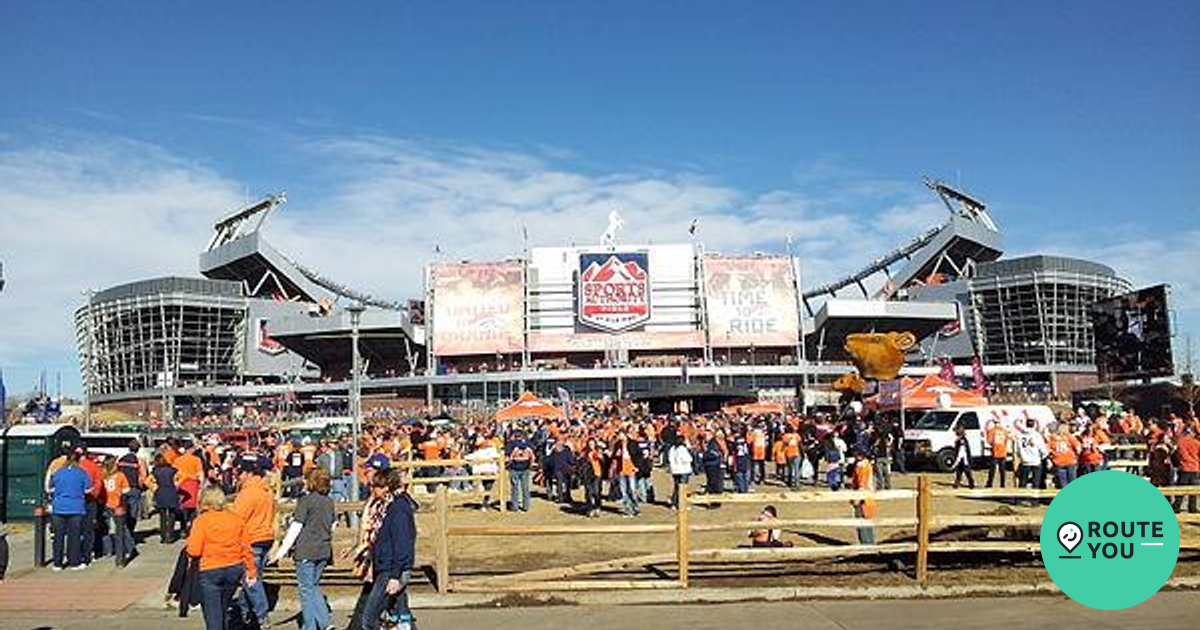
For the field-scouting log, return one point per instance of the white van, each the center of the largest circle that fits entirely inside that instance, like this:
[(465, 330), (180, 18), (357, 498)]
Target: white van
[(320, 428), (932, 436), (117, 444)]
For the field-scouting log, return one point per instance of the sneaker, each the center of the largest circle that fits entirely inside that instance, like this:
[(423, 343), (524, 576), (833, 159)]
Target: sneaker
[(56, 568), (78, 567)]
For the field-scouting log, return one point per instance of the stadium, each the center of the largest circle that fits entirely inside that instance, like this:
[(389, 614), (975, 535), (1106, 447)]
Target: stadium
[(259, 333)]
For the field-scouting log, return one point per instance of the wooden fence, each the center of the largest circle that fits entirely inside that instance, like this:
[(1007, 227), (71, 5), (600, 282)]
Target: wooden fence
[(925, 518)]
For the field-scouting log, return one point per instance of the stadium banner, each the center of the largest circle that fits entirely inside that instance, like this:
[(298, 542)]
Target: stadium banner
[(614, 290), (750, 301), (478, 308), (600, 342)]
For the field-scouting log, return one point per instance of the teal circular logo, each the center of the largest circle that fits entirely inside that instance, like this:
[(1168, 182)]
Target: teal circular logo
[(1110, 540)]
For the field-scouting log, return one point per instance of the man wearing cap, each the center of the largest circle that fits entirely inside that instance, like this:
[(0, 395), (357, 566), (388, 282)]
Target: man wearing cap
[(255, 505)]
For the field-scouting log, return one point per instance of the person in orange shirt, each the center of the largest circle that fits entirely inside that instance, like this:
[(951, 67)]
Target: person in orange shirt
[(997, 438), (791, 452), (255, 505), (116, 486), (219, 542), (1064, 454), (758, 454), (780, 459), (1092, 443), (188, 466), (863, 479)]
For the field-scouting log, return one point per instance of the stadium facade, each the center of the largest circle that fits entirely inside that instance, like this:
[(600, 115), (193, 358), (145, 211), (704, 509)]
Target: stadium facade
[(619, 320)]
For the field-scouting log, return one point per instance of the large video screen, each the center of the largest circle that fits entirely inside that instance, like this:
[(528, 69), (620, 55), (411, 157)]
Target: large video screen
[(1133, 335)]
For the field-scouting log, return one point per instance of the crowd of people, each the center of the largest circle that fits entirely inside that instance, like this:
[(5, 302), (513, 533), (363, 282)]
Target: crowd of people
[(603, 457)]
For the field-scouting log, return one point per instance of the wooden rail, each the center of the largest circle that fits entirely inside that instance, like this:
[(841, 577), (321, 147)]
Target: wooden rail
[(684, 556)]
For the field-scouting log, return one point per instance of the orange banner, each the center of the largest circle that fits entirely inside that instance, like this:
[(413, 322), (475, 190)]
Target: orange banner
[(478, 308), (751, 301)]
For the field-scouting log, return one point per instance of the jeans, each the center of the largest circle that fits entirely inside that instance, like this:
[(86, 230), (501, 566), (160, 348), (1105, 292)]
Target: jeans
[(591, 494), (741, 481), (994, 464), (645, 490), (629, 495), (379, 601), (714, 480), (866, 535), (314, 612), (519, 479), (1064, 475), (216, 594), (1029, 475), (883, 473), (90, 526), (833, 477), (1187, 479), (68, 532), (133, 508), (254, 598), (562, 487), (339, 489), (168, 518), (119, 533), (792, 476), (963, 468), (680, 480), (760, 471)]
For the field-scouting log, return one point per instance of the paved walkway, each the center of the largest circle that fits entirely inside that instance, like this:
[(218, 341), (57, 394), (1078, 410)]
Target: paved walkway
[(1165, 611)]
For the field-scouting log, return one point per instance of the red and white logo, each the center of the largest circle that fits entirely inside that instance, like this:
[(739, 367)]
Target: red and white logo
[(266, 344), (614, 290)]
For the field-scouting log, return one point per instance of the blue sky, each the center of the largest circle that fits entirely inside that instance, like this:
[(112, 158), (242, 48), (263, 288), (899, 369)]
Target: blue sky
[(124, 132)]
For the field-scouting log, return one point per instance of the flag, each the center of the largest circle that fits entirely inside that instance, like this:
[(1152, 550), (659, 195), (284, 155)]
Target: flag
[(977, 373), (437, 249), (563, 394), (692, 227), (947, 373)]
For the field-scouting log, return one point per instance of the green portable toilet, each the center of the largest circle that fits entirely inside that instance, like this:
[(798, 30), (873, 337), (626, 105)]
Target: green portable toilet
[(26, 450)]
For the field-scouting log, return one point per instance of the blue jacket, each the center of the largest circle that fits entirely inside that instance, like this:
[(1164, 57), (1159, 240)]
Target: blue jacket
[(69, 485), (395, 544)]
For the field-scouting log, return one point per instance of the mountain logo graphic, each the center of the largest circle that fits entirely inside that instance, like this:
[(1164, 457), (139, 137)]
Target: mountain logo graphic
[(614, 290)]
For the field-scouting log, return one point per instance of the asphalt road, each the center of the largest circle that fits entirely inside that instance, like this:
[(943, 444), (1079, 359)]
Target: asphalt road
[(1165, 611)]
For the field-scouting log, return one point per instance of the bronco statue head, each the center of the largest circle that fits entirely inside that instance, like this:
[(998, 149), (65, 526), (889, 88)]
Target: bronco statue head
[(879, 355)]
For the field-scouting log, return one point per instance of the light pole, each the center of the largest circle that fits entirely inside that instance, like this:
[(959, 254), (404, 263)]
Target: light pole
[(356, 311), (88, 362)]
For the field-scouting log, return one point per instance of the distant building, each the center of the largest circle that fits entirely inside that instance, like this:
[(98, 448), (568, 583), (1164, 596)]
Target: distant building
[(1036, 310)]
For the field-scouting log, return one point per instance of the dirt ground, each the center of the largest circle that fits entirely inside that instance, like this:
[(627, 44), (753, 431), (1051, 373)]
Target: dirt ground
[(478, 556)]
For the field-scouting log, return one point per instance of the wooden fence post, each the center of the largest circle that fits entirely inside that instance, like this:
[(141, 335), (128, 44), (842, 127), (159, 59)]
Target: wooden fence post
[(682, 531), (923, 518), (503, 483), (442, 542)]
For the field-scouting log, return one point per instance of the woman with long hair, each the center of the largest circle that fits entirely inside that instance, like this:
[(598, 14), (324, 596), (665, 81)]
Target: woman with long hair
[(218, 541), (310, 538), (384, 485)]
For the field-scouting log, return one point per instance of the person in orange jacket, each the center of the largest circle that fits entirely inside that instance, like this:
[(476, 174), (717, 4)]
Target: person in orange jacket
[(219, 542), (1064, 454), (997, 439), (116, 486), (255, 505)]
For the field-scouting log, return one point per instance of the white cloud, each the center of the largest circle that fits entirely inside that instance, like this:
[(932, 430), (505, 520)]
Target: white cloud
[(92, 212), (81, 213)]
